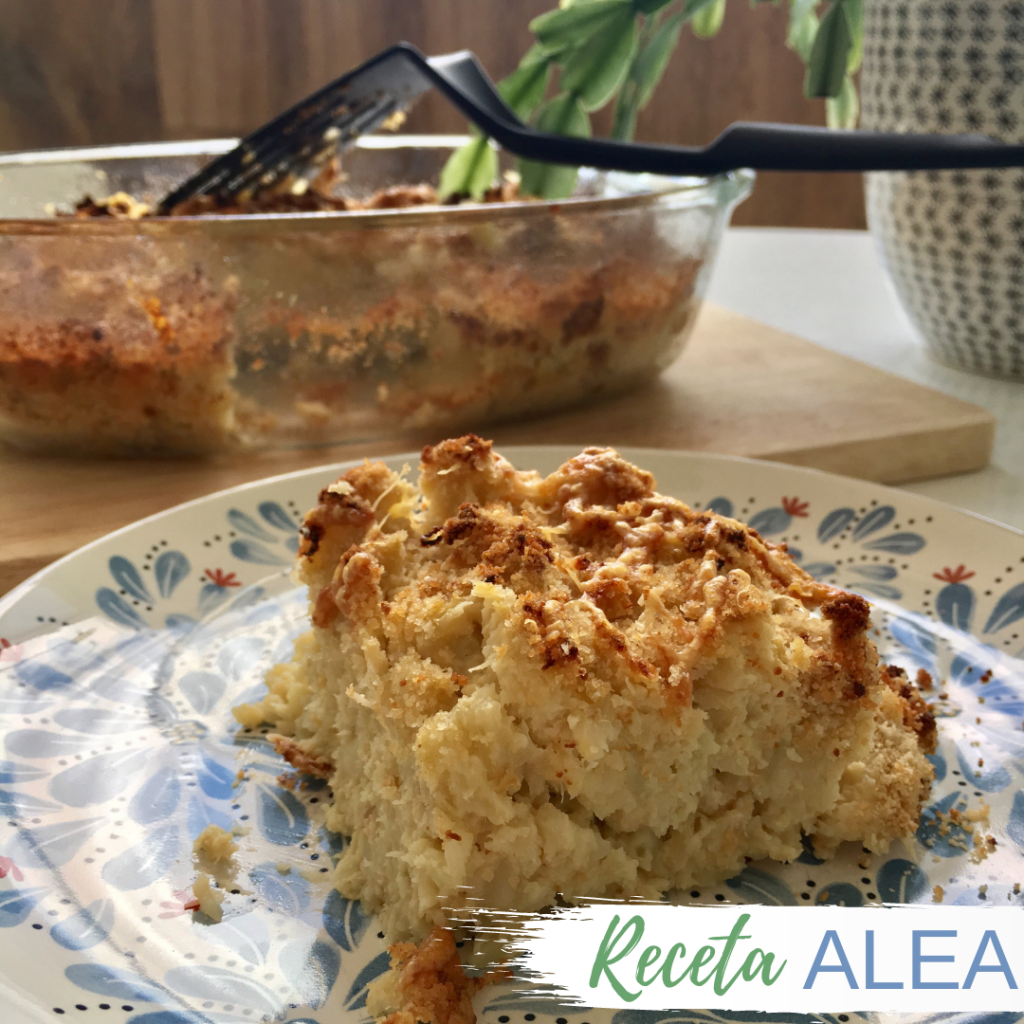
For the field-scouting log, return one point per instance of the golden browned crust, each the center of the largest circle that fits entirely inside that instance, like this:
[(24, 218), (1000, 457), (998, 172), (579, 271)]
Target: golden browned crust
[(432, 329), (470, 450), (531, 687), (918, 715), (433, 987), (344, 512), (596, 531), (299, 759), (849, 614), (173, 325), (318, 197), (95, 360), (120, 205)]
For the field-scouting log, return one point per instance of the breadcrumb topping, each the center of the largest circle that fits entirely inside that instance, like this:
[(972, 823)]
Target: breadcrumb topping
[(425, 985), (525, 688)]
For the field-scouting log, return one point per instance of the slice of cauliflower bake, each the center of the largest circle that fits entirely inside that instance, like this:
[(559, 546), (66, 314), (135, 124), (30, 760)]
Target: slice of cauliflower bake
[(525, 687)]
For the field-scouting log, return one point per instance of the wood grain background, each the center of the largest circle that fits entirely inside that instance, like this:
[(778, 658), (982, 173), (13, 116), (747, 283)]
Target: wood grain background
[(80, 72)]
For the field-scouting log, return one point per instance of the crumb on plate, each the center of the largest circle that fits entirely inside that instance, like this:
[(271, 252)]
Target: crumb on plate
[(425, 984)]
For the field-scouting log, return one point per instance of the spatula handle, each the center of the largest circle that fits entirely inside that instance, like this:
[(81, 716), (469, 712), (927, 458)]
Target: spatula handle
[(765, 147)]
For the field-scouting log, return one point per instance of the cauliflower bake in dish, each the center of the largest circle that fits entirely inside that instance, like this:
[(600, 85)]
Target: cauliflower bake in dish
[(368, 335), (368, 312), (526, 688)]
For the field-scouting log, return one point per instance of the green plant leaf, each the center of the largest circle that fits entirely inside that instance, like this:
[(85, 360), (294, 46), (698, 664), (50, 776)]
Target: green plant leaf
[(563, 115), (524, 89), (855, 15), (826, 68), (547, 181), (708, 20), (650, 6), (803, 26), (842, 111), (624, 119), (595, 71), (627, 102), (534, 54), (569, 27), (692, 7), (470, 170), (652, 60)]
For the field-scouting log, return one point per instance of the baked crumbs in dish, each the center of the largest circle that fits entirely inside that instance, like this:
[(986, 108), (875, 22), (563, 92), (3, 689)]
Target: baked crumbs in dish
[(523, 689)]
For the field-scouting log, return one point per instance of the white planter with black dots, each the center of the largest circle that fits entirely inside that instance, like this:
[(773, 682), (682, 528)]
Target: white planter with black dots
[(953, 241)]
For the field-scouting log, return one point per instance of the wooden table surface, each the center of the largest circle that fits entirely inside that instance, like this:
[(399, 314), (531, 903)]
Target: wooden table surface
[(832, 287)]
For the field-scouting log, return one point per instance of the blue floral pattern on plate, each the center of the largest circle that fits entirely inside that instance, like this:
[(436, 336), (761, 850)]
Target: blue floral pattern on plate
[(119, 748)]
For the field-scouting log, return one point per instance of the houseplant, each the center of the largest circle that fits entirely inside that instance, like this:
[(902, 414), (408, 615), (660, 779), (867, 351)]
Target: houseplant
[(615, 51)]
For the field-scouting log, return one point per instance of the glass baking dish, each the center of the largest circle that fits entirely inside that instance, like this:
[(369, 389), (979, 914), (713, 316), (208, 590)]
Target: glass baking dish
[(198, 335)]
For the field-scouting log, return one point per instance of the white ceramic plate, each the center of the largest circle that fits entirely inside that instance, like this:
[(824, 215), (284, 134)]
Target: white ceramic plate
[(119, 665)]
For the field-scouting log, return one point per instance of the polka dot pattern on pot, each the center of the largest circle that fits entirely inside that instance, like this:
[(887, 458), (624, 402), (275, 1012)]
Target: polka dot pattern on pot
[(953, 241)]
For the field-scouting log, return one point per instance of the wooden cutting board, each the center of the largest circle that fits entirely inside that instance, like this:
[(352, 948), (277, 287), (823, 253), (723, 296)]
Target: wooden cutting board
[(741, 388)]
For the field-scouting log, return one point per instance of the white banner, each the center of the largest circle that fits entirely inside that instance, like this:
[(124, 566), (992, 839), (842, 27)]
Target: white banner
[(795, 959)]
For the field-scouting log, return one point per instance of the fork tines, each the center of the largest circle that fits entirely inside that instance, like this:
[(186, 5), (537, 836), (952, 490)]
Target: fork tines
[(288, 147)]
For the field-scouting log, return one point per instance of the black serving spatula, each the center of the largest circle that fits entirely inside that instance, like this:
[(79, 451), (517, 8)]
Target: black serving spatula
[(302, 138)]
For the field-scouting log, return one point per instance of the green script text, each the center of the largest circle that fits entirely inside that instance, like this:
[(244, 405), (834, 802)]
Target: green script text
[(669, 970)]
